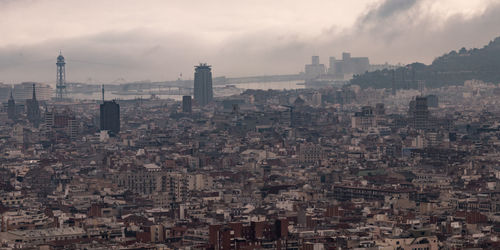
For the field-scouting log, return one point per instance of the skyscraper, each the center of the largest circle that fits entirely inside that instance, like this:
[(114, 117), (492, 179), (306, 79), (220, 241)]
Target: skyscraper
[(203, 92), (315, 69), (186, 104), (11, 108), (33, 109), (419, 113), (110, 117)]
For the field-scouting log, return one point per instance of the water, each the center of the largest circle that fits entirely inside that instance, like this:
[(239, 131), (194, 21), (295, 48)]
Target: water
[(147, 94), (111, 96), (272, 85)]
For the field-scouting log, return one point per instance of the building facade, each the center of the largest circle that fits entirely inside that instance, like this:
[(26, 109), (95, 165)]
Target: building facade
[(186, 104), (110, 117), (203, 92), (315, 69), (33, 109), (24, 91), (419, 113), (11, 108)]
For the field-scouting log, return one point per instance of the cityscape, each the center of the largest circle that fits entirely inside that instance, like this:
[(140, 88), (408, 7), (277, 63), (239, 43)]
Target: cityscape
[(347, 154)]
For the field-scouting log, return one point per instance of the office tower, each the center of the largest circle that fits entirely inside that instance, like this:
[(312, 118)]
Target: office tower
[(5, 92), (432, 101), (419, 113), (359, 65), (331, 67), (315, 60), (110, 117), (315, 69), (203, 93), (348, 65), (364, 120), (33, 109), (61, 77), (186, 104), (11, 108), (48, 124), (72, 128), (346, 56), (60, 125)]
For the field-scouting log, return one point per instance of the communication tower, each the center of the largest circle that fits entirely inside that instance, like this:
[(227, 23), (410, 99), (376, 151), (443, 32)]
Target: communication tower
[(61, 77)]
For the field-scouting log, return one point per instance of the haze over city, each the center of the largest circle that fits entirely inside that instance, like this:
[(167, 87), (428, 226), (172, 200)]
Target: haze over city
[(250, 124), (157, 40)]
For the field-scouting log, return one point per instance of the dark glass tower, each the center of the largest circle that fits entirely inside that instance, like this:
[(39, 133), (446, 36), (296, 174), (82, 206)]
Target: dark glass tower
[(186, 104), (203, 93), (110, 117)]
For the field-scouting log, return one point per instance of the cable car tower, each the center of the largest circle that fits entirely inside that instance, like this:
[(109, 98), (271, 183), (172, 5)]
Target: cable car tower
[(61, 78)]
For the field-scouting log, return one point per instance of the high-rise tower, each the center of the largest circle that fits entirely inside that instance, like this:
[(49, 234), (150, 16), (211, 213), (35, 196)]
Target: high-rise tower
[(110, 117), (419, 113), (61, 77), (203, 92)]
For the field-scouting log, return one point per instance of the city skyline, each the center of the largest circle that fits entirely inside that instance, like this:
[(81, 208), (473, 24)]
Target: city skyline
[(156, 41), (215, 125)]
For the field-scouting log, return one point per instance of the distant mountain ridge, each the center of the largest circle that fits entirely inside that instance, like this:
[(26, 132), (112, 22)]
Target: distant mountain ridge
[(449, 69)]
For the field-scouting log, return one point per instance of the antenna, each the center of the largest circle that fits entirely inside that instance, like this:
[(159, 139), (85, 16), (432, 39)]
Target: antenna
[(393, 82), (413, 76), (103, 93), (403, 77)]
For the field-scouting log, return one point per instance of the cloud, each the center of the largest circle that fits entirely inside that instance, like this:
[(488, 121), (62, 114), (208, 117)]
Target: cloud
[(409, 31), (387, 9), (267, 42), (132, 55)]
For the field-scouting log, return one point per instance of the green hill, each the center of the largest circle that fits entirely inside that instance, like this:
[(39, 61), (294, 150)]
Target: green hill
[(450, 69)]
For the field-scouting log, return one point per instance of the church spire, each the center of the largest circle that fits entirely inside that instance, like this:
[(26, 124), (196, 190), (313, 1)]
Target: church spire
[(11, 107)]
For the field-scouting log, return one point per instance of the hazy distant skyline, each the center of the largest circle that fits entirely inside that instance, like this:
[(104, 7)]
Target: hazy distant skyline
[(157, 40)]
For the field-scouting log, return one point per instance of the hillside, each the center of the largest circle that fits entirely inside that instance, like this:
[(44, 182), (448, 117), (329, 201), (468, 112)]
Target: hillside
[(450, 69)]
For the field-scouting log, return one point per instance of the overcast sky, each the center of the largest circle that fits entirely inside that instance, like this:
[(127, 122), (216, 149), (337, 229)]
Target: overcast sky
[(156, 40)]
